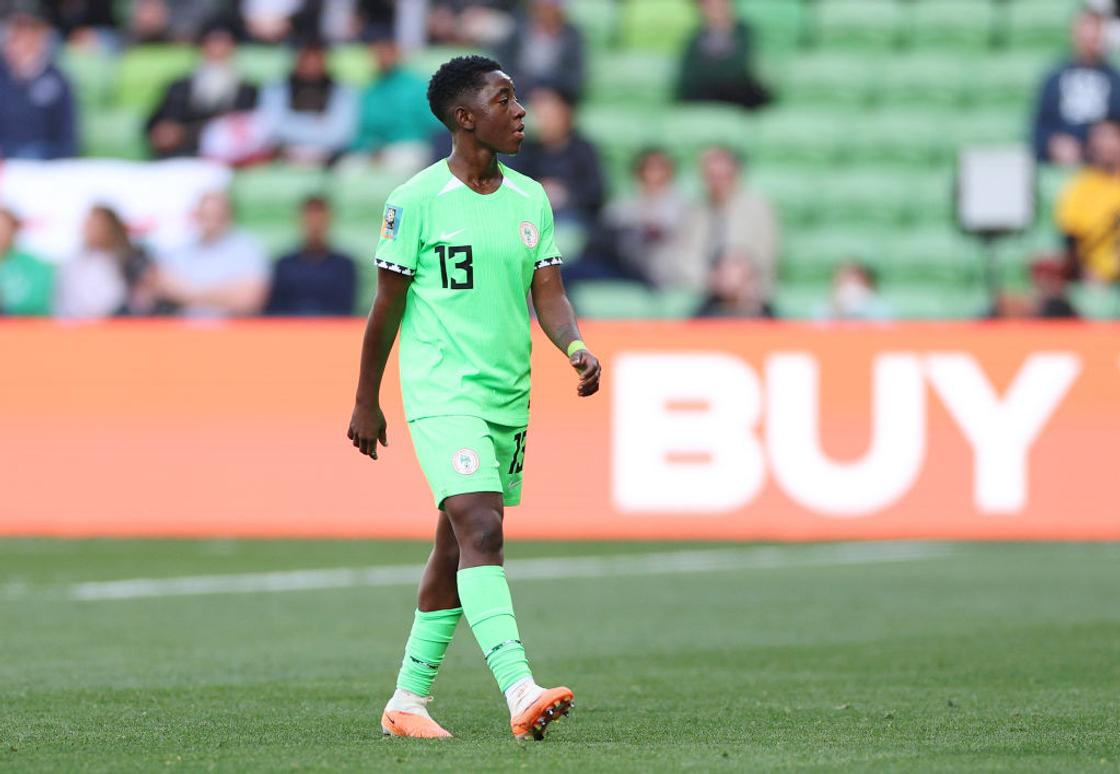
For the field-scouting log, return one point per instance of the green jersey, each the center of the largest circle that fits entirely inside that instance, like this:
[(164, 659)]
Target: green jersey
[(465, 332), (26, 285)]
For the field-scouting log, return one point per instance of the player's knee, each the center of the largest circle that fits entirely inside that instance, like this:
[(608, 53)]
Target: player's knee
[(486, 537)]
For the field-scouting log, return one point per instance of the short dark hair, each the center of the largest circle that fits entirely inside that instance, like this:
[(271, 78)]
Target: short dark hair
[(453, 79), (315, 202)]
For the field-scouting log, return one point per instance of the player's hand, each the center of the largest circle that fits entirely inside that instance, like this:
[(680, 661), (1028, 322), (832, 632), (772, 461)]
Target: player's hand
[(589, 369), (367, 429)]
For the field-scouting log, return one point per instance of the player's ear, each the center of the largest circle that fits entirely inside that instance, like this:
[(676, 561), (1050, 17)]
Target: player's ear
[(464, 118)]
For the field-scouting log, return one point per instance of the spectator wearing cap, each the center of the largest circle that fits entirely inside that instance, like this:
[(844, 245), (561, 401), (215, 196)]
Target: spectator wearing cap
[(1088, 210), (1077, 94), (566, 164), (223, 272), (316, 279), (544, 48), (717, 62), (729, 220), (310, 117), (214, 89), (37, 117), (26, 283), (394, 120)]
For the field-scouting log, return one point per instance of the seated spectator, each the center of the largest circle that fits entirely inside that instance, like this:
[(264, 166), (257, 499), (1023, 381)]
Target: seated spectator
[(270, 21), (637, 238), (214, 89), (1088, 210), (1051, 288), (394, 120), (544, 48), (730, 218), (316, 279), (25, 281), (855, 295), (102, 280), (561, 159), (470, 22), (717, 62), (735, 289), (84, 23), (170, 21), (310, 118), (222, 273), (36, 104), (1076, 95)]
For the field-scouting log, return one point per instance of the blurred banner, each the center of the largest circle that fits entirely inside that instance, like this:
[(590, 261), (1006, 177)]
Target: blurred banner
[(703, 430), (155, 199)]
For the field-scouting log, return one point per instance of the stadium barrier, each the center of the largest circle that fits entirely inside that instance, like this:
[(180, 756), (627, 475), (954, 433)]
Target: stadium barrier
[(706, 430)]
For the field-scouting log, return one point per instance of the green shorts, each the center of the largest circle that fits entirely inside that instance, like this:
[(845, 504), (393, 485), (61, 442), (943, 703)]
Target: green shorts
[(463, 454)]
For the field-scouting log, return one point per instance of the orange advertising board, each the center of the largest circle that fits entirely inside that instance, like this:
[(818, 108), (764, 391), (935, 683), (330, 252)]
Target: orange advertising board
[(706, 430)]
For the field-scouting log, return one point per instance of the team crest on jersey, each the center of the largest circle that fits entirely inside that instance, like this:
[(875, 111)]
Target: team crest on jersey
[(530, 237), (392, 222), (465, 461)]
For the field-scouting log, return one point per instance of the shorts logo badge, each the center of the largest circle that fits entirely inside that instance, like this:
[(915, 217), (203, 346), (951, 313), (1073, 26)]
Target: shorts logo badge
[(465, 461), (530, 237), (392, 222)]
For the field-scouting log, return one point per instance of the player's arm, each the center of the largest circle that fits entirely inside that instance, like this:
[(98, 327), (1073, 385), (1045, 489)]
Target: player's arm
[(367, 423), (558, 320)]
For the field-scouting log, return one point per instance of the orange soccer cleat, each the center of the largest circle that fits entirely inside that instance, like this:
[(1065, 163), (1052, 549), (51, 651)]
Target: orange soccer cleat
[(551, 705), (411, 724)]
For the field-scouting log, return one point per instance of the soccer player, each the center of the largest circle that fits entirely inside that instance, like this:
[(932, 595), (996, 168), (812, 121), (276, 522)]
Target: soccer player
[(462, 245)]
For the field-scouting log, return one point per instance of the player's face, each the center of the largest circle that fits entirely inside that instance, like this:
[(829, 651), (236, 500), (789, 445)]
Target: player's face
[(499, 117)]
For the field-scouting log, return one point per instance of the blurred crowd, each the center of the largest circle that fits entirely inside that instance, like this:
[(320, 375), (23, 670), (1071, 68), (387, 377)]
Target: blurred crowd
[(723, 241)]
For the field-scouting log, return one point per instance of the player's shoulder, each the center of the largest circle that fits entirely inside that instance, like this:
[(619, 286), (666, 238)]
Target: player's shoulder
[(523, 183), (423, 185)]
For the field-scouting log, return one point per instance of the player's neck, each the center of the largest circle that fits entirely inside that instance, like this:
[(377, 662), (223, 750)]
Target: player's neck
[(476, 166)]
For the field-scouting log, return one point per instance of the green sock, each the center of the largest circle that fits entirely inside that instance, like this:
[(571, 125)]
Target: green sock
[(489, 610), (423, 653)]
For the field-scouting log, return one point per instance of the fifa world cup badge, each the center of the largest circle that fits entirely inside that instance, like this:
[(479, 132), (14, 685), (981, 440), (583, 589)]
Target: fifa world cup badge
[(392, 222)]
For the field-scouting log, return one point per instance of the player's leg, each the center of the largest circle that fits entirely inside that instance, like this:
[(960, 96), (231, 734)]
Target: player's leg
[(487, 603), (437, 613)]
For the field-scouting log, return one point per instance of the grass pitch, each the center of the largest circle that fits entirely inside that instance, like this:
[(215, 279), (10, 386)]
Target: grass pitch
[(993, 657)]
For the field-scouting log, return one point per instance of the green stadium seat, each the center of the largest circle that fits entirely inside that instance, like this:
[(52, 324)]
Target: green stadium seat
[(657, 25), (278, 236), (1096, 302), (926, 301), (689, 128), (1051, 182), (930, 196), (792, 189), (894, 136), (425, 61), (980, 127), (274, 192), (934, 253), (620, 131), (91, 75), (352, 64), (868, 25), (631, 77), (145, 72), (109, 133), (833, 77), (799, 135), (263, 64), (615, 300), (952, 25), (597, 20), (679, 304), (865, 195), (1040, 24), (813, 255), (359, 192), (929, 79), (1008, 80), (779, 25), (801, 300)]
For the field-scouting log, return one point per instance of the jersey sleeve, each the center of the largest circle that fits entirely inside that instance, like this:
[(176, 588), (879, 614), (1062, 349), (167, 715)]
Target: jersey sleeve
[(547, 253), (398, 248)]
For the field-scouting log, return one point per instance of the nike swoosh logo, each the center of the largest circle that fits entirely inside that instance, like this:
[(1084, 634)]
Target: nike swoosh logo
[(450, 234)]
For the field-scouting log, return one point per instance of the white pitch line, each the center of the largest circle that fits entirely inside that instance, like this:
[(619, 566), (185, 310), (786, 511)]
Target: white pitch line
[(553, 568)]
